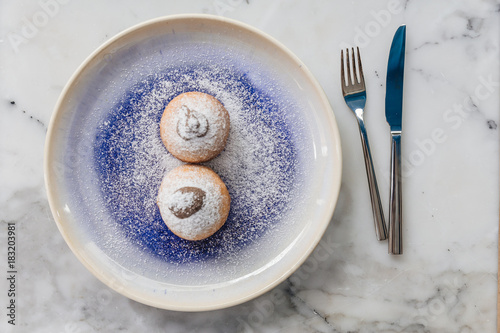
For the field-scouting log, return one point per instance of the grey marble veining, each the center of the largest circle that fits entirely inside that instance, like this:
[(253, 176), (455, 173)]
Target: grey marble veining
[(445, 281)]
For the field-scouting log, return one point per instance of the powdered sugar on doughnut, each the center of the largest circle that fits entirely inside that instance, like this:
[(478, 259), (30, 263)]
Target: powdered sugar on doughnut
[(191, 124)]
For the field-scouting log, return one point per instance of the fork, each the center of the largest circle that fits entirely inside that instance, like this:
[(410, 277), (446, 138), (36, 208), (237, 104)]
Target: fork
[(354, 91)]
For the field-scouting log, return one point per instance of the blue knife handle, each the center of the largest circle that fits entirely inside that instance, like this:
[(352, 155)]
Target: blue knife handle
[(395, 209)]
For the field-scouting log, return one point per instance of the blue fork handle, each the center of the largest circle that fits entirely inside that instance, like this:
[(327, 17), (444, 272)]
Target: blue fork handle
[(378, 213), (395, 209)]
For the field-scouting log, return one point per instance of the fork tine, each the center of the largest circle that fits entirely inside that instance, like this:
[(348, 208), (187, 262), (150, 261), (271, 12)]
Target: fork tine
[(361, 76), (342, 75), (349, 76), (355, 76)]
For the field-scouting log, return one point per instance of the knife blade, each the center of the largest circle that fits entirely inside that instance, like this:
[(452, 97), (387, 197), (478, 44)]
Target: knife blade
[(394, 115)]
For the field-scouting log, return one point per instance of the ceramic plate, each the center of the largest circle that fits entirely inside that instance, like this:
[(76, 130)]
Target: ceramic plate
[(104, 162)]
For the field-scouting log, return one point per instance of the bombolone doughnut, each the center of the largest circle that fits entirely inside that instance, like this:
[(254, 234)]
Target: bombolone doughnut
[(193, 201), (194, 127)]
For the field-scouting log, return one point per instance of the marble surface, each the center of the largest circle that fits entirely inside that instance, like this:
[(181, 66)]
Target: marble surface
[(446, 281)]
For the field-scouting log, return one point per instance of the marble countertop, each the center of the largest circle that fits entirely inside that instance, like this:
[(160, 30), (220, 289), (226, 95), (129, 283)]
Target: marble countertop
[(446, 281)]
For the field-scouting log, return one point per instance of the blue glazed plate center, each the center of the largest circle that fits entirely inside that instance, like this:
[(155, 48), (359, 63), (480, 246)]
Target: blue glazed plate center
[(259, 164)]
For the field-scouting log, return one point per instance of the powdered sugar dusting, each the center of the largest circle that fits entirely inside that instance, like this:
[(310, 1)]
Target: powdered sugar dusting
[(258, 165), (179, 201), (191, 124)]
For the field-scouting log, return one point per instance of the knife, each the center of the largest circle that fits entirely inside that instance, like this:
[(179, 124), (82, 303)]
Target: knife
[(393, 114)]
